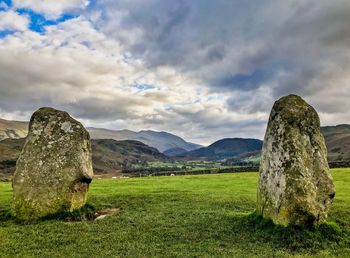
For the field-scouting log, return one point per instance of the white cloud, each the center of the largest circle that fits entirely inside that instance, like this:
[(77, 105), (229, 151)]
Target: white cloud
[(76, 68), (249, 51), (10, 20), (52, 9), (209, 69)]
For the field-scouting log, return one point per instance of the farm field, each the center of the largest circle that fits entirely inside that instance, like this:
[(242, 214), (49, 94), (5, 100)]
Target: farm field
[(181, 216), (184, 165)]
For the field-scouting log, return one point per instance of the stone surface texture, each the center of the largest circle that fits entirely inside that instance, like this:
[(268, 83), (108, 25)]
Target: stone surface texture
[(295, 185), (54, 169)]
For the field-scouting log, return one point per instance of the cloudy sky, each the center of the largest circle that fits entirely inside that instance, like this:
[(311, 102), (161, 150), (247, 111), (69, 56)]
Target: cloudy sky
[(200, 69)]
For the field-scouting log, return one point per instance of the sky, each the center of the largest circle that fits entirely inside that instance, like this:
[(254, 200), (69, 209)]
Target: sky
[(201, 69)]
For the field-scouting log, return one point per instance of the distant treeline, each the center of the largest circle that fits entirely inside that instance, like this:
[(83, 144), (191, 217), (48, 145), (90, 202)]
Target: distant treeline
[(167, 171), (7, 168), (239, 163), (332, 164), (150, 170), (339, 164), (180, 172)]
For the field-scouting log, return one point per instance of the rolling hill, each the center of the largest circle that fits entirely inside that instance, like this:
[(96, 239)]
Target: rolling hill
[(337, 141), (9, 153), (12, 129), (164, 140), (226, 148), (161, 140), (118, 135), (108, 156), (173, 152)]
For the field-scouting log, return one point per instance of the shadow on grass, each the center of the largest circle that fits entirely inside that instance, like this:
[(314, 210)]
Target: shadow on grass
[(175, 220), (293, 238), (85, 213), (5, 215)]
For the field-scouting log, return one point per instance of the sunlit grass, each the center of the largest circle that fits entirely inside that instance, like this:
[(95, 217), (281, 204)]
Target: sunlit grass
[(181, 216)]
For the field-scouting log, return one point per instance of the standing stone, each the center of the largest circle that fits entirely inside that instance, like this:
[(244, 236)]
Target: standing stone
[(54, 168), (295, 185)]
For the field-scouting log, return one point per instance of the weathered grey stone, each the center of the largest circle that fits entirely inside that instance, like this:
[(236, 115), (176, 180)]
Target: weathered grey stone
[(295, 185), (54, 169)]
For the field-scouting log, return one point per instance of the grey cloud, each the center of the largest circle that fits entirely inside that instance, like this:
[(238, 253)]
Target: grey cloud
[(248, 52), (235, 45)]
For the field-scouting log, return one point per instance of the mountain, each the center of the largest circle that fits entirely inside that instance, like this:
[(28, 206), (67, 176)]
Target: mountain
[(161, 140), (173, 152), (337, 141), (111, 155), (101, 133), (226, 148), (108, 156), (12, 129), (164, 141), (9, 152)]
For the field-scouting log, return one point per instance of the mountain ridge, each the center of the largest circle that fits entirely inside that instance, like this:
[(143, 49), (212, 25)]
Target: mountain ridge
[(108, 156), (12, 129), (337, 138), (226, 148), (338, 141), (161, 140)]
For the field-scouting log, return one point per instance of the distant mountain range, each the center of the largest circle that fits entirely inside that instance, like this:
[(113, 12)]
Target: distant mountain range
[(173, 152), (337, 141), (9, 153), (12, 129), (162, 141), (226, 148), (108, 156)]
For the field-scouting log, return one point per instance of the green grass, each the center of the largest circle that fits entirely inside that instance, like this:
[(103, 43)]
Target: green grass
[(188, 216)]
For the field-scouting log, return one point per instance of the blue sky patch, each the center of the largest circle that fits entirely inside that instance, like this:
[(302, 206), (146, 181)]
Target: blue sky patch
[(144, 87), (4, 3), (38, 21), (4, 33)]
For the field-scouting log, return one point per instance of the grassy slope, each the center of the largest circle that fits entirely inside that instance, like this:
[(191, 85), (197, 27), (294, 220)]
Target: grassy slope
[(11, 148), (109, 155), (338, 141), (186, 216), (12, 129), (225, 148)]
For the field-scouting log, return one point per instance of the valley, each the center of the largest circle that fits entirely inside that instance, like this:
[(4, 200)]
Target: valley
[(125, 152)]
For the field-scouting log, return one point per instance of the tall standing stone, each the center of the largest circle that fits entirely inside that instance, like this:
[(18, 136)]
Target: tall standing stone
[(54, 169), (295, 185)]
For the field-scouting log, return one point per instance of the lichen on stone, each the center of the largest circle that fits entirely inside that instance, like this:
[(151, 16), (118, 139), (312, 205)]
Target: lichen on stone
[(54, 169), (295, 185)]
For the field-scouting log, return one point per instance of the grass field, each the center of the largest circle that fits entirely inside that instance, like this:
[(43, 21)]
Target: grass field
[(188, 216)]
